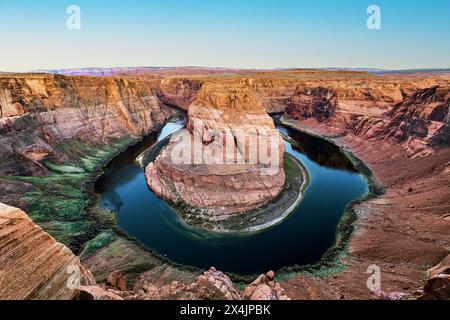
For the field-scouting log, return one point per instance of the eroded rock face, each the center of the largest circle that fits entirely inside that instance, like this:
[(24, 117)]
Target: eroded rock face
[(318, 103), (39, 112), (234, 155), (180, 92), (96, 293), (422, 120), (32, 264), (419, 120), (223, 283)]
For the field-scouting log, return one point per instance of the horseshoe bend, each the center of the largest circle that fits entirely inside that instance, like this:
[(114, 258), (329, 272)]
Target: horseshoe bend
[(237, 147), (160, 183)]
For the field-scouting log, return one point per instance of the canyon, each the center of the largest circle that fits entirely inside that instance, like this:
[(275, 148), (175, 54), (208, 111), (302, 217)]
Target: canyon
[(57, 132)]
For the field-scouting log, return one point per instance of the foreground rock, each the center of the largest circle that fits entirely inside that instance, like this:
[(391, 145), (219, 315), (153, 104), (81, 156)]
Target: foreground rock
[(265, 288), (223, 283), (381, 295), (437, 286), (238, 165), (95, 293), (117, 281), (211, 285), (32, 264)]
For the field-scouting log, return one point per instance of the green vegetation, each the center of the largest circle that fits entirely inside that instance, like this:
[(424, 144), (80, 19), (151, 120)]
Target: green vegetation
[(63, 202), (103, 239)]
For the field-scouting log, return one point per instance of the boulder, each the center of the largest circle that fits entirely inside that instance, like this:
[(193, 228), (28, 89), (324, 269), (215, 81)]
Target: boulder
[(95, 293), (437, 286), (381, 295), (265, 288), (117, 280)]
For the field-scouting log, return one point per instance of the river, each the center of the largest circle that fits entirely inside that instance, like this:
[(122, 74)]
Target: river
[(299, 240)]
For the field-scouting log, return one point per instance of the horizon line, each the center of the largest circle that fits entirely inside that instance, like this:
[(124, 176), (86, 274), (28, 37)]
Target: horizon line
[(367, 69)]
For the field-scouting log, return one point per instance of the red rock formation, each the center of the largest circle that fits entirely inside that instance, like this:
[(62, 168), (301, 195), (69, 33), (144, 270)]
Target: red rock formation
[(34, 266), (117, 281), (419, 122), (96, 293), (265, 288), (41, 111), (402, 231), (354, 102), (318, 103), (422, 118), (230, 125), (180, 92), (211, 285), (437, 286)]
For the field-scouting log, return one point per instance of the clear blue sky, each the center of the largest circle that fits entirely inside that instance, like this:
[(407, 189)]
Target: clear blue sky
[(228, 33)]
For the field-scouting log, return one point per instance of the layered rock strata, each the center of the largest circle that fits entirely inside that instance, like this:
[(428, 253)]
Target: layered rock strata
[(39, 112), (358, 93), (404, 230), (232, 156), (32, 264), (419, 122), (56, 132)]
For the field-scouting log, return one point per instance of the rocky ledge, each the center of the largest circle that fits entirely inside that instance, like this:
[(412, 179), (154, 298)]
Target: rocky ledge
[(33, 265)]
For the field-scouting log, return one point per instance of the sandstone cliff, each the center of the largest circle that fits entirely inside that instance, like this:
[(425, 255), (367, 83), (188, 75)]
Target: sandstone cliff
[(419, 122), (38, 112), (358, 92), (422, 118), (402, 135), (34, 266)]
